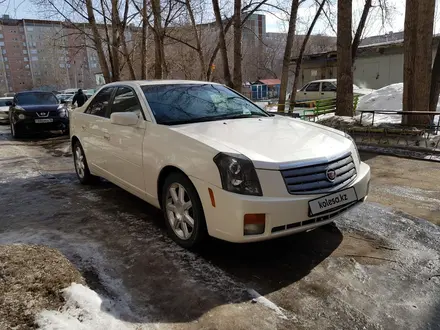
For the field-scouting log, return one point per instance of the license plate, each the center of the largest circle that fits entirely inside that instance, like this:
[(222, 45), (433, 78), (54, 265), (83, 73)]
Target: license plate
[(333, 201), (42, 121)]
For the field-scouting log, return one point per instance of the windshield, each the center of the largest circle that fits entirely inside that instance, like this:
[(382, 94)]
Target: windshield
[(179, 104), (36, 99), (3, 102)]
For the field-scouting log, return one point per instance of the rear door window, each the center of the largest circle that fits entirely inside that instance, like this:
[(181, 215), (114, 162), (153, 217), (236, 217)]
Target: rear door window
[(328, 87), (100, 104)]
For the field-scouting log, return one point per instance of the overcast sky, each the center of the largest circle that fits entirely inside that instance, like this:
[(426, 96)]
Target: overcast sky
[(274, 22)]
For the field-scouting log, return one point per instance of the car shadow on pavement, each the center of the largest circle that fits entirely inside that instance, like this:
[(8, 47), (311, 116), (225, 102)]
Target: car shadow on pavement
[(271, 265), (164, 282)]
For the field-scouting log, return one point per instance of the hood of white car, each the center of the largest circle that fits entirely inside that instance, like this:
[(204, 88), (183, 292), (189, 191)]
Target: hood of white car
[(4, 109), (272, 142)]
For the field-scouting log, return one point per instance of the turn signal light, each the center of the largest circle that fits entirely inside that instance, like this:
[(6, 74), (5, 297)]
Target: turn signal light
[(254, 224)]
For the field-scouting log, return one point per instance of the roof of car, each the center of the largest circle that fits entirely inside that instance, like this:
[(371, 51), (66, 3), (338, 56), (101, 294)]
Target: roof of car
[(323, 80), (160, 82), (22, 92)]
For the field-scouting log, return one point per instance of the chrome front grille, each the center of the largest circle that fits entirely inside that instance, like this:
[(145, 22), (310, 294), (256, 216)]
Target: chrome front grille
[(313, 179)]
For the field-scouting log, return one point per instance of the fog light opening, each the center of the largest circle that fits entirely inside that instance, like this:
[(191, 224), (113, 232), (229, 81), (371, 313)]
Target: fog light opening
[(21, 116), (254, 224)]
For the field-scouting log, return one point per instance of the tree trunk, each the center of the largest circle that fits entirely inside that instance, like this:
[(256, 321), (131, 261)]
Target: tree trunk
[(287, 55), (360, 30), (419, 23), (435, 82), (158, 60), (301, 54), (144, 40), (222, 44), (214, 54), (122, 27), (238, 79), (197, 38), (97, 41), (344, 93), (115, 42)]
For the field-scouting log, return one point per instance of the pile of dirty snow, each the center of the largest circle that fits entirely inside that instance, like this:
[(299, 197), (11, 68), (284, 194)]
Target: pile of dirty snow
[(387, 98), (84, 309)]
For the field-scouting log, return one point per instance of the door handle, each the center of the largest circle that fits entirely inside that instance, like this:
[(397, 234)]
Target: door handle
[(305, 93), (322, 93), (106, 136)]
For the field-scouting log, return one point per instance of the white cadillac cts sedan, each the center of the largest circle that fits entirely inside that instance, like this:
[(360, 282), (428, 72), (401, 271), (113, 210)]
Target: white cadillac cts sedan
[(214, 162)]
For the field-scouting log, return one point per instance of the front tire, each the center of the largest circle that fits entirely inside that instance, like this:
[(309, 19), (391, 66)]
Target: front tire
[(81, 167), (183, 211), (16, 133)]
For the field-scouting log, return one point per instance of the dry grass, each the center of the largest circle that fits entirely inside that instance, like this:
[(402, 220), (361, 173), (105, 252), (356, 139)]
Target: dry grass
[(31, 278)]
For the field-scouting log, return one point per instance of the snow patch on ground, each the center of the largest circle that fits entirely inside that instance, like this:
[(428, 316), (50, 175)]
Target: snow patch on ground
[(84, 309), (267, 303), (387, 98)]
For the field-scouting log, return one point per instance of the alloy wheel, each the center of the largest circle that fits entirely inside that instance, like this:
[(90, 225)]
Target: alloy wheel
[(79, 162), (179, 210)]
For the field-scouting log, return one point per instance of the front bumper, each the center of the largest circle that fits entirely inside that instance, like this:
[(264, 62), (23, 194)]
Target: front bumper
[(285, 215), (29, 125)]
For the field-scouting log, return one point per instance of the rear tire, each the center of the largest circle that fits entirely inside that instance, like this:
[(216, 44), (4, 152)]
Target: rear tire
[(81, 167), (183, 211)]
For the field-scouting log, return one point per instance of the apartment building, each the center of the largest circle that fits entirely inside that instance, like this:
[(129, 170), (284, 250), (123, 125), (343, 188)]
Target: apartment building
[(39, 54)]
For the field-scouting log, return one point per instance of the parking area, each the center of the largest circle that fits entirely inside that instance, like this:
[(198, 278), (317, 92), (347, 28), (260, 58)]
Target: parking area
[(378, 267)]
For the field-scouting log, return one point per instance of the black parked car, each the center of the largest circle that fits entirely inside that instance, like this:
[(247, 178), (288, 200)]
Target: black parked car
[(34, 111)]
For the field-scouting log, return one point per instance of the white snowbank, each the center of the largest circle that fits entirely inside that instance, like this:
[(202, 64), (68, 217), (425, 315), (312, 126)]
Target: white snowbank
[(84, 309), (387, 98)]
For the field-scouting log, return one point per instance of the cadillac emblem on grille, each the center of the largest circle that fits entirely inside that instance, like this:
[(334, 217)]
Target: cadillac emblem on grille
[(43, 113), (331, 175)]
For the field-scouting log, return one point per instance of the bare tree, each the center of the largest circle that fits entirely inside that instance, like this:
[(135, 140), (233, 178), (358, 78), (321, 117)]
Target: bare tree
[(287, 55), (344, 94), (238, 79), (419, 23), (301, 54), (435, 81), (222, 44), (360, 29)]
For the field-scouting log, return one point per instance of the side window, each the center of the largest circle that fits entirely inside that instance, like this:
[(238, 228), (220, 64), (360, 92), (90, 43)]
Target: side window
[(99, 105), (328, 87), (313, 87), (304, 87), (126, 101)]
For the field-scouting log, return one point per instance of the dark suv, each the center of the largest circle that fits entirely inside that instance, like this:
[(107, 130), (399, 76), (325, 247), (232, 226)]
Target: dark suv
[(34, 111)]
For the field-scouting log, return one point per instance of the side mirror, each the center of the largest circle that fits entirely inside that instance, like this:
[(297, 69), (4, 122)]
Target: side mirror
[(8, 103), (124, 118)]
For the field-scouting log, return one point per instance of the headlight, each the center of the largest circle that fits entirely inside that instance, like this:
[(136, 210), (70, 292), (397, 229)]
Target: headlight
[(238, 174), (63, 113), (348, 136)]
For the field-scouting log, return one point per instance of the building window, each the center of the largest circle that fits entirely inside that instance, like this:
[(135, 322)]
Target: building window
[(24, 51), (62, 65), (2, 43), (30, 28), (6, 66), (26, 59), (21, 29), (3, 51), (34, 58), (24, 44), (35, 44), (1, 35), (33, 51), (5, 59)]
